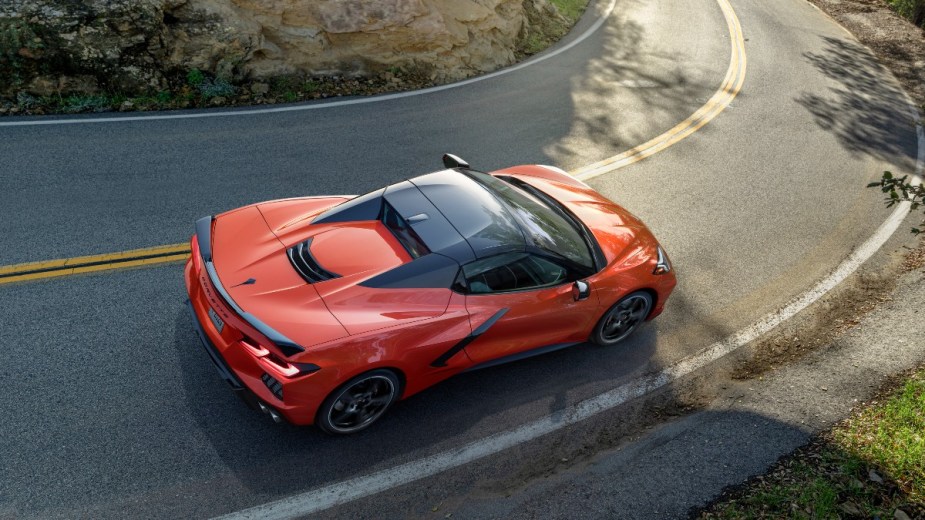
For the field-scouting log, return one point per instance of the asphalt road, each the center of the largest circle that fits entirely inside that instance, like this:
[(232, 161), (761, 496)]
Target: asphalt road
[(110, 406)]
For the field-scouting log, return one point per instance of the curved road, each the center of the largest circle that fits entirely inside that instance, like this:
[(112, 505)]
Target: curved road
[(112, 409)]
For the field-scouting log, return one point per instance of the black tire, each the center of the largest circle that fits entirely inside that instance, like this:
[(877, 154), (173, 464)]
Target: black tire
[(622, 319), (358, 403)]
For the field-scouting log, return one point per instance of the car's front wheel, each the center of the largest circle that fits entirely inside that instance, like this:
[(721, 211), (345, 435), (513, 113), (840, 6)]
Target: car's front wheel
[(622, 319), (358, 403)]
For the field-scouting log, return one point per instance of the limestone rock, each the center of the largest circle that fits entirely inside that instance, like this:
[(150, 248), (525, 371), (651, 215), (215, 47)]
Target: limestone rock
[(260, 89), (136, 45)]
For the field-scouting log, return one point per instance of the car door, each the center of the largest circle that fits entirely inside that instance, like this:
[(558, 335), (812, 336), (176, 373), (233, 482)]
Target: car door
[(521, 301)]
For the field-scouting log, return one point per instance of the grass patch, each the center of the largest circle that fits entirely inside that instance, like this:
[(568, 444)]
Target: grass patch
[(571, 9), (545, 28), (872, 465), (892, 436), (533, 43)]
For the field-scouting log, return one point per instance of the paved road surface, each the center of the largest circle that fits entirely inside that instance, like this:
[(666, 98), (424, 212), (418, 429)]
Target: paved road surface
[(110, 406)]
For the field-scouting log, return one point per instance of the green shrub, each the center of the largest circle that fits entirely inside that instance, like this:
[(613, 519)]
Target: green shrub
[(15, 35), (75, 104), (911, 9), (195, 77), (210, 88), (26, 101)]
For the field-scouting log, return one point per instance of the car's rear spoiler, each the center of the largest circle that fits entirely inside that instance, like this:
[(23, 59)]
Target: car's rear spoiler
[(204, 240)]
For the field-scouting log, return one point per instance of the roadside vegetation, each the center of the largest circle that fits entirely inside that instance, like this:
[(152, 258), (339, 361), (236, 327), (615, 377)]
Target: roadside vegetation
[(197, 89), (914, 10), (901, 189), (548, 27), (870, 466)]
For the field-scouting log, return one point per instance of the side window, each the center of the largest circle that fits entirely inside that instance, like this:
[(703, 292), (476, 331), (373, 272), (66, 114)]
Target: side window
[(512, 272)]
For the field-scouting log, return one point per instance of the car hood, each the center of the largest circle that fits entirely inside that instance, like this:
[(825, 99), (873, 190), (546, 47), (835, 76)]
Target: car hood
[(252, 265)]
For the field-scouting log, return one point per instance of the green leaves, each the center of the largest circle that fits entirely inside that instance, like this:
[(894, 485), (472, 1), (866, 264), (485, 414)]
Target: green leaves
[(900, 190)]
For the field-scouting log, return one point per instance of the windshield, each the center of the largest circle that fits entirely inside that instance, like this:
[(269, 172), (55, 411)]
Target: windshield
[(546, 227)]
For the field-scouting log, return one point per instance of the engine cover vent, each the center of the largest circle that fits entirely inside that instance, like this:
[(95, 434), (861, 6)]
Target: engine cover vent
[(305, 264)]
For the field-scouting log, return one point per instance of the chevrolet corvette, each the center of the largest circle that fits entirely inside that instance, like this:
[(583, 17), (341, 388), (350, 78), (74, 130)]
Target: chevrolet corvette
[(328, 310)]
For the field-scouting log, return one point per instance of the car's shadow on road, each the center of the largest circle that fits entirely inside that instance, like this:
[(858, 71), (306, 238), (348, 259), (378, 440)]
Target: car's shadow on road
[(280, 458)]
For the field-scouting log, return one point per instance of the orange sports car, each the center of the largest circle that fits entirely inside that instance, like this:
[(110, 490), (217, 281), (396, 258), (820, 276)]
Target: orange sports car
[(328, 310)]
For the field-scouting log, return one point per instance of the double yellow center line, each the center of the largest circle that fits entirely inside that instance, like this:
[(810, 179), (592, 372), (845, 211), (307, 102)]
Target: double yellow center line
[(88, 264), (732, 84), (721, 99)]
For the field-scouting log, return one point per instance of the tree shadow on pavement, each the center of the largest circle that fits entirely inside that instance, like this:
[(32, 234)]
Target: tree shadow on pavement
[(630, 92), (868, 116)]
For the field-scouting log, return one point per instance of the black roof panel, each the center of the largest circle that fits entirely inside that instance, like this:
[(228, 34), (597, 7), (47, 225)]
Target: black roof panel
[(428, 222), (473, 212), (454, 216), (364, 207)]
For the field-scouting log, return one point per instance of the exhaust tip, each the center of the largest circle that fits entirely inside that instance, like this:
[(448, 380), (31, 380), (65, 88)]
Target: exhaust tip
[(276, 417), (263, 408)]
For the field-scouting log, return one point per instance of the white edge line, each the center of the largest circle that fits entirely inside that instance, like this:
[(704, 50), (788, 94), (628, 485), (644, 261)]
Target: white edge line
[(347, 491), (316, 106)]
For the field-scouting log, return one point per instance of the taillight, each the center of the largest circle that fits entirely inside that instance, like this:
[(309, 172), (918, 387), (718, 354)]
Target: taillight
[(255, 348), (273, 363), (282, 367)]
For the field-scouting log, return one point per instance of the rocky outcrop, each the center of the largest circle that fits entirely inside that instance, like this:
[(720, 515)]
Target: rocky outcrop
[(63, 46)]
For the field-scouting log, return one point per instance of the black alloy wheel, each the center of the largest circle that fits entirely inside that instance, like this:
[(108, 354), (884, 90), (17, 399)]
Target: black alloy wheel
[(359, 403), (622, 319)]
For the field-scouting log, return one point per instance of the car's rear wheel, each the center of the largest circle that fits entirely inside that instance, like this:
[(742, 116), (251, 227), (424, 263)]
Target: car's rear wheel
[(358, 403), (622, 319)]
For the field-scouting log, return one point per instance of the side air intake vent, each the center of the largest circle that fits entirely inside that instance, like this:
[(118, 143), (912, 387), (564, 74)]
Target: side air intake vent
[(305, 264)]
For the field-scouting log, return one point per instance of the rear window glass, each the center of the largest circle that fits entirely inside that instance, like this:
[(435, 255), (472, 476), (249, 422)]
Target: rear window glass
[(403, 232)]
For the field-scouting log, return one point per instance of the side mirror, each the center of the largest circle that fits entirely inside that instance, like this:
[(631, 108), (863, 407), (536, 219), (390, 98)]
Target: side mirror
[(452, 161), (581, 290)]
